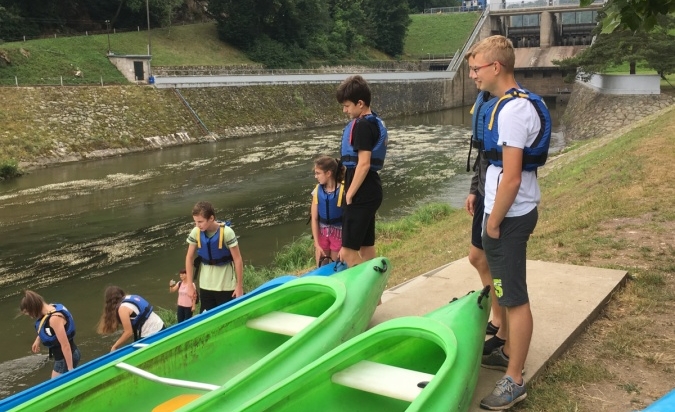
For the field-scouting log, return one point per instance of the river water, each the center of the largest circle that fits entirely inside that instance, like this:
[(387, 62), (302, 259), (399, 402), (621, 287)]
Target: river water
[(70, 231)]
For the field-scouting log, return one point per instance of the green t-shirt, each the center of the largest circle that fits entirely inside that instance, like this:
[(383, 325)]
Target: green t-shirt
[(212, 277)]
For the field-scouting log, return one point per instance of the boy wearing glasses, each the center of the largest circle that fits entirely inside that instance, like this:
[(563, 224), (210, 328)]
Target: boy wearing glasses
[(515, 137)]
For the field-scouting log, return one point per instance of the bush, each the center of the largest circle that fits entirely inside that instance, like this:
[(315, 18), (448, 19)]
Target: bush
[(9, 169)]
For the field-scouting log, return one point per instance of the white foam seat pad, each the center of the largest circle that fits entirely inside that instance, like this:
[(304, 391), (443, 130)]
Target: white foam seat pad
[(385, 380), (283, 323)]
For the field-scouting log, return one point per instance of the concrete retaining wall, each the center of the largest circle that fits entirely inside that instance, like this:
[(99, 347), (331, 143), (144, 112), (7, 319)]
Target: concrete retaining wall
[(591, 114), (61, 124)]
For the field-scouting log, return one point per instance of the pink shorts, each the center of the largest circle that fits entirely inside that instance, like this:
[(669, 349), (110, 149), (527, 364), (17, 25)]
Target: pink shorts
[(330, 238)]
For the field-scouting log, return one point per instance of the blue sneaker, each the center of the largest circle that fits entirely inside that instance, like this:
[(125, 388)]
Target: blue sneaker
[(505, 394)]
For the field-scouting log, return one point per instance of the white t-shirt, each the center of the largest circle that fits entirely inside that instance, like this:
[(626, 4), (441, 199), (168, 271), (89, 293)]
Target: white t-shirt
[(518, 125), (152, 325)]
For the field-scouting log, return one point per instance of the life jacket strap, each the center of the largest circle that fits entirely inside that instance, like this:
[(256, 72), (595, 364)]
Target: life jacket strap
[(527, 159)]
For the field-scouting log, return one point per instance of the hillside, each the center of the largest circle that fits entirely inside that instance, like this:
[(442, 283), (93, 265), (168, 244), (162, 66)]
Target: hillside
[(45, 61), (439, 35)]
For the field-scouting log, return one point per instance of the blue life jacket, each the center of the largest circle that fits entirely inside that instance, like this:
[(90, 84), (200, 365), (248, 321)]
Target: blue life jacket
[(212, 252), (350, 156), (535, 155), (329, 205), (47, 334), (144, 311), (478, 113)]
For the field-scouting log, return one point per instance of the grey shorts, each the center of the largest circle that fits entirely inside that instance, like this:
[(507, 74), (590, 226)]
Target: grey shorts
[(507, 255), (60, 365)]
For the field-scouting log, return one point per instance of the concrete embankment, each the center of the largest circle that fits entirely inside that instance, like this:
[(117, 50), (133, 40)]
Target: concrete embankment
[(592, 114), (49, 125)]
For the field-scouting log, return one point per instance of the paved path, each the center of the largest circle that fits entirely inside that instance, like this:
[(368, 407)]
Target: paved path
[(564, 300), (181, 82)]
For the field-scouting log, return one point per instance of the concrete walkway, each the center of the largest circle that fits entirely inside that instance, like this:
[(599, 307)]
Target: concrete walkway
[(564, 299)]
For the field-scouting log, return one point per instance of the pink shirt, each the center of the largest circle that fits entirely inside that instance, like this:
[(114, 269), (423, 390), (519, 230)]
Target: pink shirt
[(183, 298)]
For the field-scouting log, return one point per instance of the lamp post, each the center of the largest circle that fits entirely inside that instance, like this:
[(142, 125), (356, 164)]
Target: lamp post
[(107, 25), (147, 11)]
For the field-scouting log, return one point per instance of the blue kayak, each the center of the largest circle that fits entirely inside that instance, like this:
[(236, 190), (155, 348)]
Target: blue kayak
[(30, 393)]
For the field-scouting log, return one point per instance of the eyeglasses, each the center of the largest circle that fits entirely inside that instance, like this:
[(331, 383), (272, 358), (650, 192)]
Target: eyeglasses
[(475, 69)]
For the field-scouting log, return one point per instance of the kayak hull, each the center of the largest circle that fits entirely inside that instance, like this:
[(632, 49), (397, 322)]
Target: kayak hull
[(222, 347), (428, 363), (30, 393)]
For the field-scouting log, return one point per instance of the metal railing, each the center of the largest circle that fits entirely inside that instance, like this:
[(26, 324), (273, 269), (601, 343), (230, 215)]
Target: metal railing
[(521, 4)]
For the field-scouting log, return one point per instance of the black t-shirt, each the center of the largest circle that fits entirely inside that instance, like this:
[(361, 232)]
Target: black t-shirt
[(364, 137)]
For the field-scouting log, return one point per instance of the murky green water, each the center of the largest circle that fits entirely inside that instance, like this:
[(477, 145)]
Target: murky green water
[(69, 231)]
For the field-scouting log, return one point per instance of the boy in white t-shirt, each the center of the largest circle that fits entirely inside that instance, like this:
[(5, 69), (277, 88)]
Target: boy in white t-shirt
[(515, 140)]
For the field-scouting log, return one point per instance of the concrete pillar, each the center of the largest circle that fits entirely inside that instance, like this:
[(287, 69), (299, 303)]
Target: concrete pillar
[(546, 29)]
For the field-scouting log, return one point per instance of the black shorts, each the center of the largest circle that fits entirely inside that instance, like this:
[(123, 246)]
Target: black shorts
[(209, 299), (358, 225), (477, 225), (507, 257)]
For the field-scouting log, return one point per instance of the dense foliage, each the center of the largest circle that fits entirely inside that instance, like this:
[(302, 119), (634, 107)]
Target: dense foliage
[(33, 18), (634, 15), (284, 33)]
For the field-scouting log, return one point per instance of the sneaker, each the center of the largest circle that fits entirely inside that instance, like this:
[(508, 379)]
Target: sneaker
[(491, 329), (505, 394), (496, 360), (491, 344)]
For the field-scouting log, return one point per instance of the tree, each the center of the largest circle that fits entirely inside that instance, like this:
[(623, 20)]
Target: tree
[(633, 15), (656, 48), (388, 22)]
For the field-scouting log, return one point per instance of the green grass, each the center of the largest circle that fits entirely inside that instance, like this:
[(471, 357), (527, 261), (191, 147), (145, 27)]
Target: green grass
[(55, 60), (438, 34), (45, 61)]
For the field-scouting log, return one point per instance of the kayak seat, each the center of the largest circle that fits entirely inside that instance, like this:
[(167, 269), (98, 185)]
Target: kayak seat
[(283, 323), (381, 379), (176, 403)]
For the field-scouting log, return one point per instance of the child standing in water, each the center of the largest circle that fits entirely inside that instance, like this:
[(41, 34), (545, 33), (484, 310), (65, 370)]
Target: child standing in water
[(186, 304), (327, 209), (55, 328)]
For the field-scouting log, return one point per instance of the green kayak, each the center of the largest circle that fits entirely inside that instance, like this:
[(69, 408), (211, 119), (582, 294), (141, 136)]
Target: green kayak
[(252, 345), (428, 364)]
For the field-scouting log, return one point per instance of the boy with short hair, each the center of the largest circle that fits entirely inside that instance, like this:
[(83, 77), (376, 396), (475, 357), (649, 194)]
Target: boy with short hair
[(220, 266), (515, 140), (364, 146)]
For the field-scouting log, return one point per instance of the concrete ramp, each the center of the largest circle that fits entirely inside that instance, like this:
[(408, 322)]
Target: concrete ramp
[(564, 299)]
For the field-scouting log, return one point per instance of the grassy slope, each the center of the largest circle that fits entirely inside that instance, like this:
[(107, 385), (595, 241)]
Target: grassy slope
[(44, 61), (48, 59), (438, 34)]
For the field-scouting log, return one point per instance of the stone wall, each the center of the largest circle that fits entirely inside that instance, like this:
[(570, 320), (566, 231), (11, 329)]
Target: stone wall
[(592, 114), (48, 125)]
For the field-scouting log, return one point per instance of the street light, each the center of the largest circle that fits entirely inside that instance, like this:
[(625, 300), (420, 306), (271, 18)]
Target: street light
[(107, 25)]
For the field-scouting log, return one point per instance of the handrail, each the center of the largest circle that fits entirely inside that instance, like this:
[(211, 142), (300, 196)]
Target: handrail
[(167, 381)]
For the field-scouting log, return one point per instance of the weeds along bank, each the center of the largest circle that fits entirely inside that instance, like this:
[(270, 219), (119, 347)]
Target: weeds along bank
[(47, 125)]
